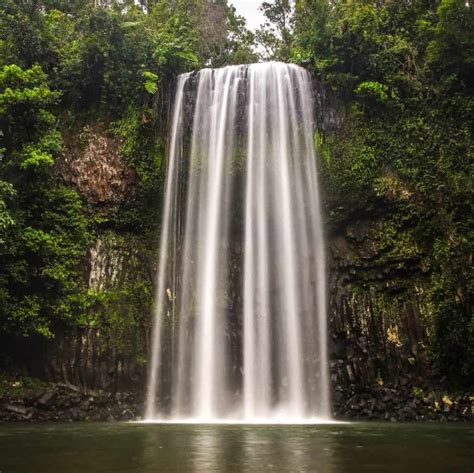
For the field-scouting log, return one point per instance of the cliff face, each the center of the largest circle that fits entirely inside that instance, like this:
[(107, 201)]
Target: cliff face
[(92, 164), (108, 347), (380, 315), (382, 324)]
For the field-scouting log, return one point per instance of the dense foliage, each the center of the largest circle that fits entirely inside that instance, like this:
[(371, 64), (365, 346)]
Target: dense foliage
[(404, 71), (65, 65), (43, 230)]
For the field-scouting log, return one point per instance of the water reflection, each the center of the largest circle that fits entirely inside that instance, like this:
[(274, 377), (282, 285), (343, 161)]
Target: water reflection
[(346, 448), (209, 451), (239, 449), (291, 450), (134, 448)]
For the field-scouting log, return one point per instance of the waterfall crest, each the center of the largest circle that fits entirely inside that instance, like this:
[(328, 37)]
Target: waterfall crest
[(240, 318)]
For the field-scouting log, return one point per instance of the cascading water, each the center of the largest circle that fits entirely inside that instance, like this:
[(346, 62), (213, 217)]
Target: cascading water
[(240, 322)]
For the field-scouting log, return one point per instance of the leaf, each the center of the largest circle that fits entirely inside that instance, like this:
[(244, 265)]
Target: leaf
[(151, 82), (151, 87), (186, 56)]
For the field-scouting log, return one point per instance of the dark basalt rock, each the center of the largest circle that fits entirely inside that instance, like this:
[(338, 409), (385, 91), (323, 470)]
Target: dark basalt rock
[(401, 403), (47, 397), (64, 402)]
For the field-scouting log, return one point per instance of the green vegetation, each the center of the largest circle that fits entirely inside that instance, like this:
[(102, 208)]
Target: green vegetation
[(44, 233), (65, 66), (20, 388), (404, 72), (401, 71)]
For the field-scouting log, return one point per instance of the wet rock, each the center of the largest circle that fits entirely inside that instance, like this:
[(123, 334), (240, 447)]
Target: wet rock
[(16, 409), (77, 414), (85, 405), (69, 387), (64, 402), (95, 393), (350, 373), (127, 415), (402, 403), (93, 164), (45, 399)]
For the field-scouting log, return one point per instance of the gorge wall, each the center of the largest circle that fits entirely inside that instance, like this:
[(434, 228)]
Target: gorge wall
[(380, 317), (109, 347)]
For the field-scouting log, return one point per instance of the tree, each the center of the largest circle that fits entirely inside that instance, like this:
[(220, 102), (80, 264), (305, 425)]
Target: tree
[(276, 34), (225, 39), (43, 230)]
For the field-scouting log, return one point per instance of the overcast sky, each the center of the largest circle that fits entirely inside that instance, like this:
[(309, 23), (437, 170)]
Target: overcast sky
[(249, 9)]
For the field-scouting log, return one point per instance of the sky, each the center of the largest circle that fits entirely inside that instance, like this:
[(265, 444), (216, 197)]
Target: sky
[(249, 10)]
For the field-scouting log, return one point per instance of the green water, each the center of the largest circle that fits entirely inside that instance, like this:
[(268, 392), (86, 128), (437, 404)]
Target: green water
[(137, 448)]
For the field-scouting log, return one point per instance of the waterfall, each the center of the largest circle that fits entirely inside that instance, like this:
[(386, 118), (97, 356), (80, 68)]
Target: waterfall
[(240, 317)]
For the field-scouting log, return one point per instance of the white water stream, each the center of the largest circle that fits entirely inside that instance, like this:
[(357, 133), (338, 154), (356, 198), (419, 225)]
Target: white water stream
[(240, 318)]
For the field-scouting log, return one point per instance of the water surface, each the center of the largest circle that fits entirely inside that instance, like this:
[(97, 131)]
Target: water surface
[(138, 448)]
